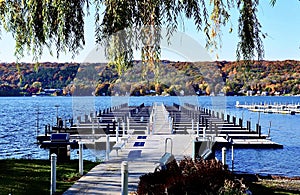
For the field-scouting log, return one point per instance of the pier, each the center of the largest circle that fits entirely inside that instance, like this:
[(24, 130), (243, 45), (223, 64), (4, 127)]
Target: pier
[(277, 108), (148, 137)]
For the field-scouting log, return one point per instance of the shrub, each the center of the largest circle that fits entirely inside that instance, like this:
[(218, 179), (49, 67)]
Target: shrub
[(187, 177)]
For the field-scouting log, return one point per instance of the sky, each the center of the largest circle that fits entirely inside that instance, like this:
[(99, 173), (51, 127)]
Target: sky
[(281, 23)]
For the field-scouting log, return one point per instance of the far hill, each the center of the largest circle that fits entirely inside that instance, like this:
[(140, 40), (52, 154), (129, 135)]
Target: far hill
[(174, 78)]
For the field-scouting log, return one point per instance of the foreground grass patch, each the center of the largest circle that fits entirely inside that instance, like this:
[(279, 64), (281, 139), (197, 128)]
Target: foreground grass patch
[(280, 187), (20, 176)]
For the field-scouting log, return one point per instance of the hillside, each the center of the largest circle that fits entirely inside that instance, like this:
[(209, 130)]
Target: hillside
[(173, 78)]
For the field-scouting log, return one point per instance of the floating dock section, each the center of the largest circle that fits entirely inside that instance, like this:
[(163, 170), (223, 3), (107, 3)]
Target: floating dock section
[(121, 121)]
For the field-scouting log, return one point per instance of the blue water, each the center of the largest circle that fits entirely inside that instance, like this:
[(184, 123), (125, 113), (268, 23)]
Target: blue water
[(18, 127)]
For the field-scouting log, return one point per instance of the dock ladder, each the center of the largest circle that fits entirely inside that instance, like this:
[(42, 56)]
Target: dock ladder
[(167, 157)]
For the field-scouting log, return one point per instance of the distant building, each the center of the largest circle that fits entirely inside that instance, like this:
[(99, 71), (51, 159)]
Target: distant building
[(249, 93), (277, 93), (264, 93)]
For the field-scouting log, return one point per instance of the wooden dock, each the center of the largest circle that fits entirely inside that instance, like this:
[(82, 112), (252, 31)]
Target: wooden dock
[(140, 134), (149, 132)]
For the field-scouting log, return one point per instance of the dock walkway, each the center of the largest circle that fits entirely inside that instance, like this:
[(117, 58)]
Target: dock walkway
[(106, 177), (160, 123)]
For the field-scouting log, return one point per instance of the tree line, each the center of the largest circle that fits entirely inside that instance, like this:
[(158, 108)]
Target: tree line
[(173, 78)]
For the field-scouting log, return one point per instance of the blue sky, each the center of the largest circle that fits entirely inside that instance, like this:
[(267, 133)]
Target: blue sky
[(281, 23)]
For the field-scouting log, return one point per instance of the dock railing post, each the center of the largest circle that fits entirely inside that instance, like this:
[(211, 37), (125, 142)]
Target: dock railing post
[(124, 170), (117, 133), (53, 174), (107, 147), (123, 129), (93, 127), (80, 158), (224, 156), (127, 124)]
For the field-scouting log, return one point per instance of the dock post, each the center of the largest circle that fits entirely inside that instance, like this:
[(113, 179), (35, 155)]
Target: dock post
[(117, 134), (193, 126), (198, 129), (124, 170), (232, 158), (269, 130), (257, 129), (228, 118), (91, 116), (222, 116), (107, 147), (93, 127), (123, 129), (224, 156), (216, 129), (80, 158), (65, 124), (53, 174), (249, 125), (127, 125), (210, 126), (234, 120), (241, 122), (46, 128)]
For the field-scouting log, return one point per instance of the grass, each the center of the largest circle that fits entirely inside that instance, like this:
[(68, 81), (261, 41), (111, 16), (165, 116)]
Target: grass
[(274, 187), (26, 176), (22, 176), (271, 184)]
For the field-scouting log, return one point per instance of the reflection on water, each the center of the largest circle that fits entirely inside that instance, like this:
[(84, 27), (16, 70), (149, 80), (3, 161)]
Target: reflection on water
[(18, 127)]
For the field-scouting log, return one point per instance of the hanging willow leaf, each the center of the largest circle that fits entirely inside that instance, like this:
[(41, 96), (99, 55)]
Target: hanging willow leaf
[(249, 31), (36, 25), (272, 2)]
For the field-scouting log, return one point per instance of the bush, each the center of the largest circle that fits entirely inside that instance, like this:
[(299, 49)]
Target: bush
[(187, 177)]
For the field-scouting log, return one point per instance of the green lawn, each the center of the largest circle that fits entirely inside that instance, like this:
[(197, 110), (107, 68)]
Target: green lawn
[(33, 176)]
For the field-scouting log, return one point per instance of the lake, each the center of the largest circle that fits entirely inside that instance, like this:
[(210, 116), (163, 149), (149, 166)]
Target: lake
[(19, 126)]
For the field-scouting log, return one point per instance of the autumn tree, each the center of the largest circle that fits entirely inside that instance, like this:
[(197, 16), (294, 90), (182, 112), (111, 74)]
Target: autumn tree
[(44, 24)]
